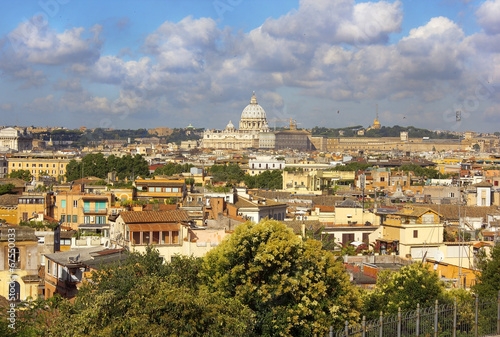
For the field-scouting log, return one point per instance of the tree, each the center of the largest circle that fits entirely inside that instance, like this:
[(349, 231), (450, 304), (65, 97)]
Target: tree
[(95, 164), (294, 287), (488, 286), (21, 174), (488, 283), (267, 179), (404, 289), (7, 188), (231, 173), (144, 295)]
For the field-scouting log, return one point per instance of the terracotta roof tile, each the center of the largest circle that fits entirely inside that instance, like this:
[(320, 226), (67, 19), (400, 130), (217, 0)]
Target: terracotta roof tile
[(154, 216)]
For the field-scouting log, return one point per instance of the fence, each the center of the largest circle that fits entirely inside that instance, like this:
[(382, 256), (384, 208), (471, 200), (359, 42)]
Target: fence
[(478, 318)]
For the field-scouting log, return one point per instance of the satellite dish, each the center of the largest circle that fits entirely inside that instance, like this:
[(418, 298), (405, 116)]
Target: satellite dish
[(439, 256)]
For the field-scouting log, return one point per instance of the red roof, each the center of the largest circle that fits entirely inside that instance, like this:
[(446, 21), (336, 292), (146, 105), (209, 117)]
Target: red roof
[(154, 227), (154, 216)]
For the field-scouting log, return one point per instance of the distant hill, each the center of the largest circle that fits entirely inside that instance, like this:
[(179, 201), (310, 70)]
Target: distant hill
[(384, 131)]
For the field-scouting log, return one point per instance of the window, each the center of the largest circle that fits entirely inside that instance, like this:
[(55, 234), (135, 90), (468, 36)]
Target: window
[(136, 238), (347, 238), (63, 203), (366, 237), (415, 234), (86, 219), (100, 220), (15, 257), (156, 238), (75, 203), (75, 218), (175, 237), (63, 218), (151, 189), (165, 237), (100, 205), (145, 238)]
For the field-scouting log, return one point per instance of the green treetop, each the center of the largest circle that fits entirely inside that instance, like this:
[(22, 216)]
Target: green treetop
[(295, 287)]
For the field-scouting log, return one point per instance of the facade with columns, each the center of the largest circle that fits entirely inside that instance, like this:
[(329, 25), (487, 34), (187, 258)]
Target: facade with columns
[(253, 122), (12, 140)]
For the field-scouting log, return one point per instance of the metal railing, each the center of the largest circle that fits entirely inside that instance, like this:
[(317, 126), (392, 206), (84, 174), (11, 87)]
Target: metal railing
[(477, 318)]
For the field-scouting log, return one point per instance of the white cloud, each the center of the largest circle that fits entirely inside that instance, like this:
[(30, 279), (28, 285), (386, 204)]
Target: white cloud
[(488, 16), (35, 42), (340, 21)]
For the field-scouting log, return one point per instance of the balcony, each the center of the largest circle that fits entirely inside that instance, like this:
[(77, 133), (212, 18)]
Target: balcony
[(101, 211)]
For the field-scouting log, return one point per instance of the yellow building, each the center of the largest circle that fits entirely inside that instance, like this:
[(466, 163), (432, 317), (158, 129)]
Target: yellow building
[(300, 179), (30, 205), (19, 274), (160, 189), (8, 208), (411, 232), (53, 165), (76, 208)]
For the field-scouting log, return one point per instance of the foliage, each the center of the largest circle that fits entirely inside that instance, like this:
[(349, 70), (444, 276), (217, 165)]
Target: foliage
[(413, 132), (294, 169), (350, 131), (21, 174), (268, 179), (96, 165), (425, 172), (7, 188), (172, 168), (327, 240), (218, 189), (405, 288), (40, 225), (179, 135), (488, 283), (145, 295), (294, 287), (231, 173), (353, 166)]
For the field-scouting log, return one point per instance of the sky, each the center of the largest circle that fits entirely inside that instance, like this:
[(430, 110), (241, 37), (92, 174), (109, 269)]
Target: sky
[(330, 63)]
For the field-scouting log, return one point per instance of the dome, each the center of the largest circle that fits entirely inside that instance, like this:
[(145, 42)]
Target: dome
[(230, 126), (253, 110)]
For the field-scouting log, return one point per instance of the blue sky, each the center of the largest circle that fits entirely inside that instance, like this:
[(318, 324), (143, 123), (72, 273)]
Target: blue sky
[(131, 64)]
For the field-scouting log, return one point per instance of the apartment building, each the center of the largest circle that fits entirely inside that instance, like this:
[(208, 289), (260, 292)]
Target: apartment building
[(19, 271), (161, 189), (77, 208), (53, 165)]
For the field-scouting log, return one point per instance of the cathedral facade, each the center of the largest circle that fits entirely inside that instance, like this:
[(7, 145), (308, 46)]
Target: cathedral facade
[(253, 123)]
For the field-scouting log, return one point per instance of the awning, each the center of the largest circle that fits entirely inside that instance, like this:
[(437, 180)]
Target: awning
[(154, 227), (356, 243)]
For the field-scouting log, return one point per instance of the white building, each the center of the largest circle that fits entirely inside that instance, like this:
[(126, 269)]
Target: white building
[(13, 140), (253, 122), (263, 163)]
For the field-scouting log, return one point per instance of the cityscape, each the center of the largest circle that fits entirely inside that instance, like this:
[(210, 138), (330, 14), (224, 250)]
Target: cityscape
[(318, 168)]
